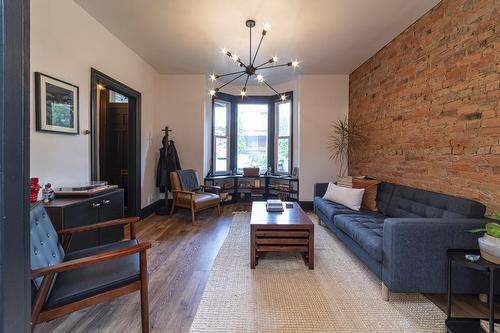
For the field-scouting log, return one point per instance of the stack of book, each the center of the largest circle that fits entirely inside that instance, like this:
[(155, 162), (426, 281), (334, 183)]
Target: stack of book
[(274, 205)]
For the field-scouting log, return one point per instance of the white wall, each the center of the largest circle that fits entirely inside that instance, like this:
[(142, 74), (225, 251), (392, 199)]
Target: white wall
[(323, 99), (65, 43), (183, 110)]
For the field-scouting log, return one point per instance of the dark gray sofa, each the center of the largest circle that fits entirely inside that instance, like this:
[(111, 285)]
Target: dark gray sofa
[(405, 243)]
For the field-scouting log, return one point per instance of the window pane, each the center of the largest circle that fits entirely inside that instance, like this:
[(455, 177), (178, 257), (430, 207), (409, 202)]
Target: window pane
[(220, 118), (283, 155), (220, 154), (284, 119), (115, 97), (252, 136)]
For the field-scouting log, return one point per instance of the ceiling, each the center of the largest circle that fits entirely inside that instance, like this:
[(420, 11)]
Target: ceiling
[(326, 36)]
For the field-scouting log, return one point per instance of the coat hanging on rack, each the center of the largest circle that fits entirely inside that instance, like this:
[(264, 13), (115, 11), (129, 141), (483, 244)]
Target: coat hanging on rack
[(168, 162)]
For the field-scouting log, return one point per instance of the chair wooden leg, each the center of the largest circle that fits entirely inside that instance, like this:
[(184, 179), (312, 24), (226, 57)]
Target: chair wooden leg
[(144, 293), (173, 206), (192, 213), (218, 209)]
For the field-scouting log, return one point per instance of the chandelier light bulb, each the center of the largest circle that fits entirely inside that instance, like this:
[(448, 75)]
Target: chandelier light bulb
[(249, 70)]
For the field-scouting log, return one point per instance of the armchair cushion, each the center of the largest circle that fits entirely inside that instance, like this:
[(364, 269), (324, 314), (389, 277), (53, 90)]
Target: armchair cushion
[(80, 283), (205, 199), (188, 179), (45, 248)]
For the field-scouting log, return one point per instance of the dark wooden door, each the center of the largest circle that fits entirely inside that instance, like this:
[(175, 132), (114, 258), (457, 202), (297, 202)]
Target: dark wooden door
[(114, 143)]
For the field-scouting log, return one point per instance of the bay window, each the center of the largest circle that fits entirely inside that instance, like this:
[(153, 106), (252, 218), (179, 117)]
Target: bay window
[(255, 131)]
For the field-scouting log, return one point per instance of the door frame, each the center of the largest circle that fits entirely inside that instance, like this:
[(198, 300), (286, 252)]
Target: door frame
[(15, 287), (134, 190)]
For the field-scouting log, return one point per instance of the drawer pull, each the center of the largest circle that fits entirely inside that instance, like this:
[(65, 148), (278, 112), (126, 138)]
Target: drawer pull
[(95, 204), (106, 202)]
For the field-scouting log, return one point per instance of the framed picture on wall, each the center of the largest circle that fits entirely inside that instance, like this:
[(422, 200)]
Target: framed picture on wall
[(56, 105)]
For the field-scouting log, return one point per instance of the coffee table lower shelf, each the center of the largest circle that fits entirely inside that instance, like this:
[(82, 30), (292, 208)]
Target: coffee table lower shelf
[(264, 239), (464, 325)]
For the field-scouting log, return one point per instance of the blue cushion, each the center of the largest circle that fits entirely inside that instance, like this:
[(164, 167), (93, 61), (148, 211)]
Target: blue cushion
[(407, 202), (365, 229), (45, 248), (76, 284), (330, 209), (384, 195)]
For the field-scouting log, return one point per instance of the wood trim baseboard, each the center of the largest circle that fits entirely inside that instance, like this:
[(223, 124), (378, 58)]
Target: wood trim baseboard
[(153, 207)]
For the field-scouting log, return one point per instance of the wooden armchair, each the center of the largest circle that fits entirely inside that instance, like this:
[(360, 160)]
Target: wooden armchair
[(66, 282), (195, 199)]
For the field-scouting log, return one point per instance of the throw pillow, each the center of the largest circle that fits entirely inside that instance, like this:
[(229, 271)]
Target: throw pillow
[(370, 196), (349, 197), (345, 181)]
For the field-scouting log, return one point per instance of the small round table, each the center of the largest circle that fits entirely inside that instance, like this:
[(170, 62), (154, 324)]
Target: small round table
[(455, 324)]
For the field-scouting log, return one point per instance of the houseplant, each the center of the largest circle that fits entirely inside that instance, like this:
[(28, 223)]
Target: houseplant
[(489, 244), (346, 138)]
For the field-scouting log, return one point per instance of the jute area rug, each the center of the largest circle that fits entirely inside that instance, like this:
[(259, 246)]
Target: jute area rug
[(282, 295)]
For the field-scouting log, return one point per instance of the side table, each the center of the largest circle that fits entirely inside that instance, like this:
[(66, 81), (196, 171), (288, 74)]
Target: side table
[(470, 325)]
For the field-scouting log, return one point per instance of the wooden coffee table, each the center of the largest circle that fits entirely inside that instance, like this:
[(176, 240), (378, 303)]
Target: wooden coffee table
[(287, 231)]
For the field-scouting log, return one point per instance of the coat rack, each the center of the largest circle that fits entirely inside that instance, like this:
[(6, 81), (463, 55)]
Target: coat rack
[(166, 130)]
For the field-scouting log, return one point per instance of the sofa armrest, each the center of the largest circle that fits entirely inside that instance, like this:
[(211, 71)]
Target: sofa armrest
[(320, 189), (414, 251)]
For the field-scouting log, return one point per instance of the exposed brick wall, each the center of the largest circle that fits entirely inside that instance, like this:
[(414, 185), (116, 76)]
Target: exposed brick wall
[(430, 104)]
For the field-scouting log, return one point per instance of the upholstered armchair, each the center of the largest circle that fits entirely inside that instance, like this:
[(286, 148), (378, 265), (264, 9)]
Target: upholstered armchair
[(66, 282), (188, 193)]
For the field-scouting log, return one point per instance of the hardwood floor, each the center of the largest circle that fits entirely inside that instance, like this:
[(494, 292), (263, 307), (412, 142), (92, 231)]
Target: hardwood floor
[(179, 264)]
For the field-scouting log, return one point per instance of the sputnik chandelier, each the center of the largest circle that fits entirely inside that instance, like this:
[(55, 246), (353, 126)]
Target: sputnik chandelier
[(250, 69)]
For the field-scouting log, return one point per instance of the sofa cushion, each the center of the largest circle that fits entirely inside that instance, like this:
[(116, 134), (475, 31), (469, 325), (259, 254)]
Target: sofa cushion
[(384, 195), (408, 202), (330, 209), (80, 283), (365, 229)]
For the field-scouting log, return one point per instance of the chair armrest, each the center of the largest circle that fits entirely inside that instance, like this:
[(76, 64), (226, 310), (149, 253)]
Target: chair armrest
[(90, 260), (100, 225), (320, 189), (213, 187), (414, 251)]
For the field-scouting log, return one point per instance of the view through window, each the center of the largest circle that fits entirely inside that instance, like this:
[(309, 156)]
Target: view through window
[(283, 136), (221, 136), (252, 136)]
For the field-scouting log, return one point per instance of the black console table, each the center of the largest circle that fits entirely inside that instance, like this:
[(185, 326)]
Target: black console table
[(249, 188), (470, 325), (75, 212)]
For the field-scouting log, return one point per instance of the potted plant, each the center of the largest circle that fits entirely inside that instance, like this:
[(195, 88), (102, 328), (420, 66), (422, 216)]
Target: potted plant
[(489, 244), (346, 138)]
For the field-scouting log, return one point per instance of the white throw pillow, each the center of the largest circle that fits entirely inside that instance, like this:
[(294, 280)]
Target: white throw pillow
[(349, 197)]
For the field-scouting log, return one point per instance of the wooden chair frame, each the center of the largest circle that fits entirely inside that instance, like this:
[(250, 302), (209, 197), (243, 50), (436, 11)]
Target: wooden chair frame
[(203, 188), (48, 273)]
